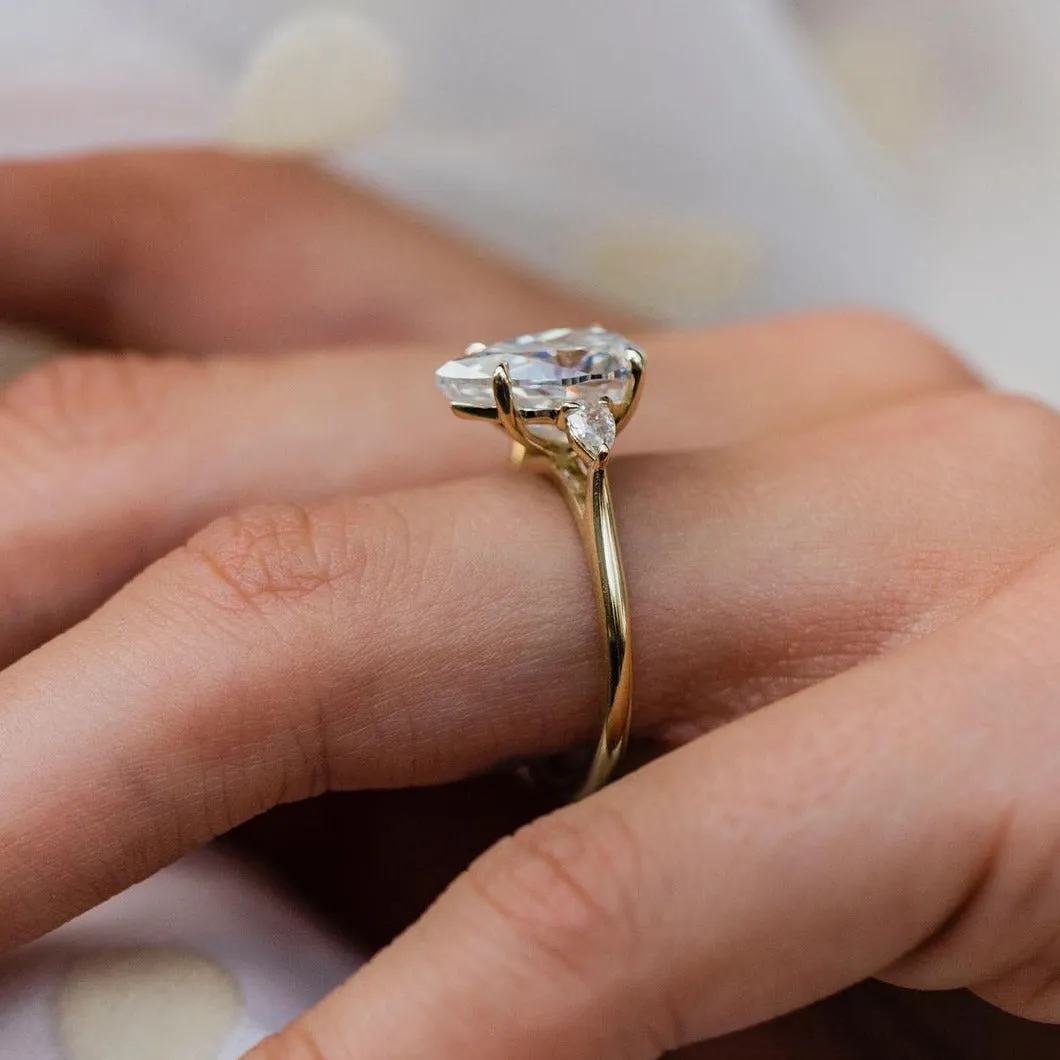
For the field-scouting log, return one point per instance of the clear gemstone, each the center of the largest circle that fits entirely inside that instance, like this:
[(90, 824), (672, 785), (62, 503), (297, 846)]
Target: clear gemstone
[(592, 427), (547, 370)]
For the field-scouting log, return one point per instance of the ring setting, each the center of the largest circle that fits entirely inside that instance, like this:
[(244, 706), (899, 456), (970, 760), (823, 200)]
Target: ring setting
[(563, 396)]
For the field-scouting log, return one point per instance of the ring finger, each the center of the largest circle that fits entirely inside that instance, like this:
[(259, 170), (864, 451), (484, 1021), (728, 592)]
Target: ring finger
[(424, 635), (110, 462)]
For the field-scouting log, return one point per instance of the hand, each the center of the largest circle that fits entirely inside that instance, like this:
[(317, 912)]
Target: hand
[(350, 643)]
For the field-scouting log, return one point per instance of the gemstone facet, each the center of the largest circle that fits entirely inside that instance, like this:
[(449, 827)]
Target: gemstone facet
[(548, 370), (592, 426)]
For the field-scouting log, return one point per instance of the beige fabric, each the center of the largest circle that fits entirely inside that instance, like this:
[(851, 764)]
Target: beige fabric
[(162, 1004)]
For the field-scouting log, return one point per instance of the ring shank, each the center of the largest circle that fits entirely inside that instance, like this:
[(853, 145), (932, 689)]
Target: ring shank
[(588, 493), (609, 580)]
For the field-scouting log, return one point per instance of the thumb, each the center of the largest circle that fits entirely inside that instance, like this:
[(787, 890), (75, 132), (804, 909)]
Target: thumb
[(900, 820)]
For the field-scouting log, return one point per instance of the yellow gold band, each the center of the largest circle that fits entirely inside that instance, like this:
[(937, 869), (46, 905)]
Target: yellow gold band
[(593, 508)]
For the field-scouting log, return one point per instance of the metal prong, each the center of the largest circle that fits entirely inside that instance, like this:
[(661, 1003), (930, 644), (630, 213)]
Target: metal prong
[(593, 461), (627, 408), (475, 348), (563, 413), (506, 413), (502, 396)]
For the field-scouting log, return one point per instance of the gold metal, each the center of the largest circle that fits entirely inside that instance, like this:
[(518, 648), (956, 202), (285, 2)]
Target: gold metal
[(582, 477), (636, 363)]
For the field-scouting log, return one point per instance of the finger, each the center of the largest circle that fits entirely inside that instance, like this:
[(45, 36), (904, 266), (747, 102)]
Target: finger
[(910, 813), (402, 848), (420, 637), (111, 462), (200, 250)]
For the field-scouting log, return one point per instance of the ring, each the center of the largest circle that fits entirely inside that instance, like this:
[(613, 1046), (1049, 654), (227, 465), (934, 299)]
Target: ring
[(563, 396)]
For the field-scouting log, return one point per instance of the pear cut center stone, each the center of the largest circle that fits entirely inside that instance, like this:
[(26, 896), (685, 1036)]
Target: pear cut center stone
[(548, 370)]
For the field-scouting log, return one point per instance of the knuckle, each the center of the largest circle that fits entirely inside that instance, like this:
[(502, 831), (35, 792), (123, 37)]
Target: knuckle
[(565, 888), (1008, 432), (77, 403), (281, 554), (1024, 426), (985, 471), (902, 347)]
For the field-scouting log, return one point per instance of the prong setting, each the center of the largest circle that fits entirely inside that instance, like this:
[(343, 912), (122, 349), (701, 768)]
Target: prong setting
[(507, 414), (562, 413), (623, 412), (561, 393)]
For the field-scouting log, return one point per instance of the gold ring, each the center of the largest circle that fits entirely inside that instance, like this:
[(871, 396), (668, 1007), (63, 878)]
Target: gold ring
[(563, 396)]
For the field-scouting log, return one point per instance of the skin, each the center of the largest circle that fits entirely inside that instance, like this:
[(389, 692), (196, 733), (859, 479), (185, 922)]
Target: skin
[(841, 560)]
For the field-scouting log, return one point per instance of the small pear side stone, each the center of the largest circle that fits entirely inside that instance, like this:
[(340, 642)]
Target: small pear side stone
[(592, 426)]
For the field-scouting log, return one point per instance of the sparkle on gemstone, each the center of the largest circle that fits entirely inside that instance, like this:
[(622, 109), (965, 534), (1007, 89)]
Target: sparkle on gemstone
[(547, 370), (592, 426)]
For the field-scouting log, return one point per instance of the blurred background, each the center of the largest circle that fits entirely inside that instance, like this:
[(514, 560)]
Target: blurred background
[(694, 160)]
